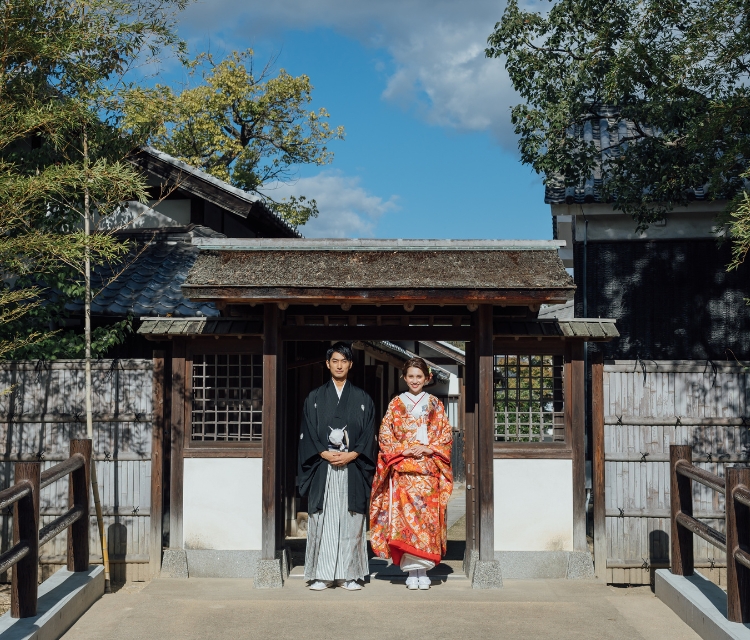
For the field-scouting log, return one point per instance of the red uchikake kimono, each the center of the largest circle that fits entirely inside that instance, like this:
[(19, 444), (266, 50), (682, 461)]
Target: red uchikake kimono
[(409, 495)]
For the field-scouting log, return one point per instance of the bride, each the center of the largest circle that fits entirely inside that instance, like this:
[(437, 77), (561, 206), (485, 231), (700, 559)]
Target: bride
[(413, 481)]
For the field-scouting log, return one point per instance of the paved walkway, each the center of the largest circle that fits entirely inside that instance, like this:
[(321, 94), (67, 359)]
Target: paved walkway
[(457, 504), (533, 609)]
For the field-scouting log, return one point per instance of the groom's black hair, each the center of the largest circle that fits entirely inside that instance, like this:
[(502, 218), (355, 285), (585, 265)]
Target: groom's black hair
[(341, 348)]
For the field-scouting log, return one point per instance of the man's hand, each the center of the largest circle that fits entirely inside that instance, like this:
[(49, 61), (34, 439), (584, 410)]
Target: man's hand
[(339, 458), (417, 451)]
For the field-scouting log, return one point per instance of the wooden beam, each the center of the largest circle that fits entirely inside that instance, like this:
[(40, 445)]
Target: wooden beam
[(737, 528), (486, 435), (177, 430), (576, 403), (597, 417), (680, 501), (374, 332), (23, 597), (312, 295), (157, 464), (270, 409), (79, 486)]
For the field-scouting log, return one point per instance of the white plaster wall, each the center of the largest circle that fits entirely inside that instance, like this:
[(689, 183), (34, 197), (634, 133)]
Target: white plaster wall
[(533, 505), (222, 503)]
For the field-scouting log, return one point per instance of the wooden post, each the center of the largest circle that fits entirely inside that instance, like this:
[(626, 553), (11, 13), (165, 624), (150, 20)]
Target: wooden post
[(470, 448), (177, 462), (157, 464), (23, 593), (576, 412), (486, 435), (738, 536), (681, 500), (597, 417), (78, 496), (270, 409)]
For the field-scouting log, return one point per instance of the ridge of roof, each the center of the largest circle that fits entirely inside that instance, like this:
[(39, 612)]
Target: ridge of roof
[(379, 244)]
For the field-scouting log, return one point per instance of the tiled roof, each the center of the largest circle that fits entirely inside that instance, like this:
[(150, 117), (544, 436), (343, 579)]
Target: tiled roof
[(605, 132), (149, 284), (599, 329)]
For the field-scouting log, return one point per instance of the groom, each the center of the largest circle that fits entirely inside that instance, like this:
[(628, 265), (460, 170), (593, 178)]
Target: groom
[(337, 456)]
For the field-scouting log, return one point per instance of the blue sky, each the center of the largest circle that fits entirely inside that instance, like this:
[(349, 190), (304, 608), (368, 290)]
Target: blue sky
[(429, 149)]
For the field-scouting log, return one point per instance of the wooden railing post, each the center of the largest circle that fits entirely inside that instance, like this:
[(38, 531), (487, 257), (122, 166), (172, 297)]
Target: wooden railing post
[(78, 496), (681, 500), (738, 536), (23, 594)]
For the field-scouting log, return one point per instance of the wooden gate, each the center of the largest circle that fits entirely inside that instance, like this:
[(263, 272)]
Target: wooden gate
[(42, 409), (639, 409)]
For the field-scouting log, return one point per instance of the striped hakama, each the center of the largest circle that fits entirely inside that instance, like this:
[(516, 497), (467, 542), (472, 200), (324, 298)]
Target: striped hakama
[(336, 537)]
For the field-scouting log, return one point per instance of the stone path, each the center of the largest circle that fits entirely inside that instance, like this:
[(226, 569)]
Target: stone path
[(559, 609), (457, 504)]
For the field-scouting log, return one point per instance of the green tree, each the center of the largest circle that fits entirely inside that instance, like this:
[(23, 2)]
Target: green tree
[(251, 130), (63, 67), (677, 70)]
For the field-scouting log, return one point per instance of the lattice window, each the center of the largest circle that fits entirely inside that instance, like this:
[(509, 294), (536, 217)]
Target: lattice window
[(227, 398), (529, 399)]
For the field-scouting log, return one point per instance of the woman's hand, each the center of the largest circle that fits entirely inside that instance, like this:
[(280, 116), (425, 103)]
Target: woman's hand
[(417, 451)]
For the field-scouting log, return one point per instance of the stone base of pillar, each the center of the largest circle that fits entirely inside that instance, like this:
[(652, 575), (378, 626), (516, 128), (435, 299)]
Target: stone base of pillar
[(269, 574), (470, 562), (174, 564), (487, 575)]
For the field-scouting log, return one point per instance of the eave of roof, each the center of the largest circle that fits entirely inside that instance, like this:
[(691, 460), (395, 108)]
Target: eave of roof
[(446, 349), (191, 179), (588, 329), (441, 374)]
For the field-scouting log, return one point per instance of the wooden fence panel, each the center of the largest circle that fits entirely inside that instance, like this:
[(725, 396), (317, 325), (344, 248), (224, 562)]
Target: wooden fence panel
[(42, 409), (647, 407)]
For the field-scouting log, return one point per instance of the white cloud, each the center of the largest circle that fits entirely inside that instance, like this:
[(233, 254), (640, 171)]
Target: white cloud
[(437, 47), (346, 209)]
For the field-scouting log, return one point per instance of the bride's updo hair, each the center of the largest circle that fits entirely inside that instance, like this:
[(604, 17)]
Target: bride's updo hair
[(416, 363)]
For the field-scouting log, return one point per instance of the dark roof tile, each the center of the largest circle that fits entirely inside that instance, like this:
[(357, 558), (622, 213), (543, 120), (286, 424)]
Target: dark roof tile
[(148, 281)]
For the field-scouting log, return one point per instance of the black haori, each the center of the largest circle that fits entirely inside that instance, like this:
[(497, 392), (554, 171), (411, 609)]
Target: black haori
[(323, 411)]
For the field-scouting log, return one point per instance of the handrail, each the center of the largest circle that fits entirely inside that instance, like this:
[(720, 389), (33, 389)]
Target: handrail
[(13, 494), (742, 495), (23, 556), (58, 525), (711, 480), (709, 534), (61, 469), (13, 555), (737, 517)]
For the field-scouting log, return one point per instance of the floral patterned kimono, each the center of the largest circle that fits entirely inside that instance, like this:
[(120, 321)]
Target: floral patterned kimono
[(410, 495)]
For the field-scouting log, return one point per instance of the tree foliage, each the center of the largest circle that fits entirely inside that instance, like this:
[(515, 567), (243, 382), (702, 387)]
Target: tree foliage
[(678, 70), (251, 130), (63, 66)]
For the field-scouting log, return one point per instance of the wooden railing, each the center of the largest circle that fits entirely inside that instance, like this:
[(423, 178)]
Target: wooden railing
[(736, 543), (23, 556)]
